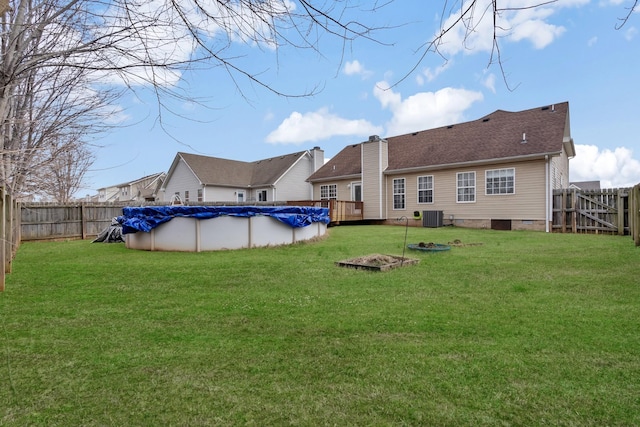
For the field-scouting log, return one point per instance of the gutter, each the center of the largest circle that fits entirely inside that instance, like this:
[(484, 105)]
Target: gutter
[(335, 178), (474, 163)]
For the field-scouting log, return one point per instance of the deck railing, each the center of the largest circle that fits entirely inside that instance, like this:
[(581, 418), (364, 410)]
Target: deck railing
[(339, 210)]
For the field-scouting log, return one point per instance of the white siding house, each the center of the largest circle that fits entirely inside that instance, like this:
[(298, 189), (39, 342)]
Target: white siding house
[(193, 178), (142, 189)]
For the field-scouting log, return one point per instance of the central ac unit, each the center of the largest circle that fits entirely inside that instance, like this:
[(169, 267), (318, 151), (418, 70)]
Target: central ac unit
[(432, 219)]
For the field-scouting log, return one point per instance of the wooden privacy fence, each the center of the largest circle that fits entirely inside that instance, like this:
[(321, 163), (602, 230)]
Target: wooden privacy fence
[(10, 230), (607, 211), (52, 221), (47, 221)]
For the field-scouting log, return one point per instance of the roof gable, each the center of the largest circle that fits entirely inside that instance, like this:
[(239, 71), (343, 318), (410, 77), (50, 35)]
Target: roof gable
[(268, 171), (215, 171)]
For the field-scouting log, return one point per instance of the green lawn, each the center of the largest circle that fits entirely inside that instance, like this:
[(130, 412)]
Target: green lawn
[(526, 329)]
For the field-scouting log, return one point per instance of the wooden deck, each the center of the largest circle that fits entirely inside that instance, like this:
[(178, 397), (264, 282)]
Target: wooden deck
[(339, 210)]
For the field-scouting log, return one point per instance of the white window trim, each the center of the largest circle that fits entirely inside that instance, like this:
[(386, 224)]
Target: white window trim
[(433, 190), (404, 194), (329, 187), (499, 194), (475, 187), (353, 186)]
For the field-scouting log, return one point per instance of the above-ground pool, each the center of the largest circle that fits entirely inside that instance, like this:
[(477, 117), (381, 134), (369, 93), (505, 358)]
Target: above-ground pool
[(210, 228)]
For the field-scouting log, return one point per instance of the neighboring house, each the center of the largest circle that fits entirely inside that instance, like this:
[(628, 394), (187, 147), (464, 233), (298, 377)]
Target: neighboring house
[(195, 178), (585, 185), (495, 172), (144, 189)]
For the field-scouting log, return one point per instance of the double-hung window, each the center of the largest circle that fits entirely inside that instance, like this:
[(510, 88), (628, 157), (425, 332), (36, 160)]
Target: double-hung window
[(500, 181), (425, 189), (398, 193), (466, 187)]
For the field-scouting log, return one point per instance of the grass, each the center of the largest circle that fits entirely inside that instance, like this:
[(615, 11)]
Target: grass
[(525, 329)]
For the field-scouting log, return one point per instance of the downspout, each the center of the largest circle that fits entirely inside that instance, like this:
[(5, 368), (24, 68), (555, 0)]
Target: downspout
[(547, 191), (381, 181)]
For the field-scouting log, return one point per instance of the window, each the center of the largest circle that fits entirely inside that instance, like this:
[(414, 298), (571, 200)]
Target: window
[(466, 185), (500, 181), (262, 195), (425, 189), (186, 195), (398, 193), (328, 192), (200, 194)]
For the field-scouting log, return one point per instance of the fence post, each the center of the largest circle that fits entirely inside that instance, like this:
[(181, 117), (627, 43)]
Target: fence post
[(17, 227), (574, 211), (3, 233), (83, 219), (634, 213), (620, 205), (8, 232)]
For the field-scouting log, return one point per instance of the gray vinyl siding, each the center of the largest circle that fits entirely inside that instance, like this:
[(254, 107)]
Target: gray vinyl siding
[(181, 179), (292, 185), (560, 171)]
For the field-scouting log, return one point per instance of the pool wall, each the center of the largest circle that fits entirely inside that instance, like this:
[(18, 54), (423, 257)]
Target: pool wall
[(188, 234)]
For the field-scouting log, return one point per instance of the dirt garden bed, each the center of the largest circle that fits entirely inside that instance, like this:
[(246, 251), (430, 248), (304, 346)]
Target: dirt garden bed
[(377, 262)]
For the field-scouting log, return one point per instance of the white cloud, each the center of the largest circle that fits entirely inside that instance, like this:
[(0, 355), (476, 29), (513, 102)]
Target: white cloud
[(159, 35), (631, 33), (518, 20), (613, 168), (430, 74), (352, 68), (424, 110), (318, 125), (490, 82), (538, 32), (592, 41), (269, 116)]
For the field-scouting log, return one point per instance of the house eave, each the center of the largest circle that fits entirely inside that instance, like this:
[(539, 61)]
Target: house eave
[(244, 186), (335, 178), (456, 165)]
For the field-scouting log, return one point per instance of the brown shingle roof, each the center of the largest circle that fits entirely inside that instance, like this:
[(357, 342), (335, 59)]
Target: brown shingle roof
[(225, 172), (268, 171), (494, 137)]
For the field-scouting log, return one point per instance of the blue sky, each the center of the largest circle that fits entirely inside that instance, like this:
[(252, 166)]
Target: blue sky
[(569, 51)]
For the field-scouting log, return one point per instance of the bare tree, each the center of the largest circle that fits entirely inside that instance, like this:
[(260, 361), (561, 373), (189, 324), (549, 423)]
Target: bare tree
[(50, 49), (60, 174), (470, 18), (53, 50), (50, 107)]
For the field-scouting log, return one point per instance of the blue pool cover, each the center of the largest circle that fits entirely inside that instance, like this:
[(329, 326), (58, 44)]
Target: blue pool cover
[(147, 218)]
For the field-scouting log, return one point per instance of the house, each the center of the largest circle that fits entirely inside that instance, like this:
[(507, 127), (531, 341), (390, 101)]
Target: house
[(495, 172), (196, 178), (142, 189), (585, 185)]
